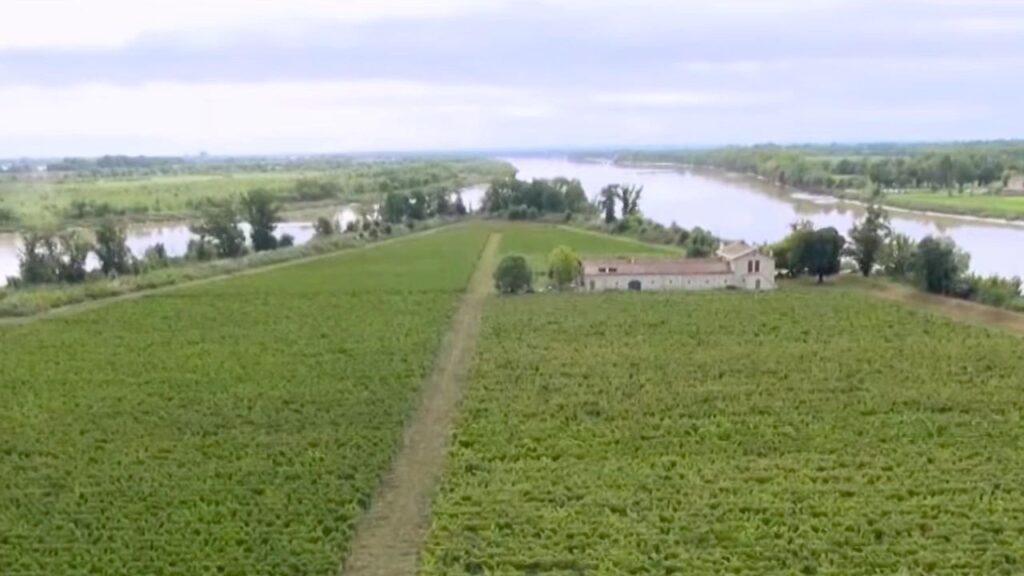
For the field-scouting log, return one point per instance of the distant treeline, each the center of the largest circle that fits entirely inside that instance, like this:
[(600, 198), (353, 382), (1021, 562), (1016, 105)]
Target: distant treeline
[(884, 166)]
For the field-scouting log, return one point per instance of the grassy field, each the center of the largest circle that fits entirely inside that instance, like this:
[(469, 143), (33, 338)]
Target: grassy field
[(61, 200), (1007, 207), (238, 427), (808, 431), (536, 241)]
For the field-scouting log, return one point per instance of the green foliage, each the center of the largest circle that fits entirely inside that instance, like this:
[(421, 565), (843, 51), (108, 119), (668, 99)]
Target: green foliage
[(47, 258), (899, 256), (826, 432), (939, 264), (112, 249), (286, 241), (263, 214), (868, 239), (806, 250), (563, 267), (237, 427), (700, 243), (220, 226), (521, 200), (513, 275), (324, 227)]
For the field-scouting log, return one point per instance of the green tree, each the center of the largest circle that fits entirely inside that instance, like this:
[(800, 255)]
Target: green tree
[(460, 207), (396, 207), (220, 225), (73, 252), (868, 237), (513, 275), (939, 264), (818, 252), (563, 267), (629, 196), (899, 256), (324, 227), (263, 214), (37, 263), (607, 200), (700, 243), (112, 249)]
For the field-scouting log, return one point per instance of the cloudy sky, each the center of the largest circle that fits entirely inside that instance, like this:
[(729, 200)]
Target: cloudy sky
[(88, 77)]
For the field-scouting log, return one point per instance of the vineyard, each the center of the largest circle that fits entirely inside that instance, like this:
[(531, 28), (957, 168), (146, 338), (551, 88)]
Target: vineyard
[(238, 427), (804, 431)]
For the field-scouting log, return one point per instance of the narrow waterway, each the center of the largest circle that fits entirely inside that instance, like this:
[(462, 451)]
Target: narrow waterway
[(738, 208)]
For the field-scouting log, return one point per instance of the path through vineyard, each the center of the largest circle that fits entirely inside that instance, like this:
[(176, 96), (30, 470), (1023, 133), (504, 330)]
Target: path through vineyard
[(389, 537)]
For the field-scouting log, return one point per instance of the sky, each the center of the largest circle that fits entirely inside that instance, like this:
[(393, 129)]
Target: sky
[(92, 77)]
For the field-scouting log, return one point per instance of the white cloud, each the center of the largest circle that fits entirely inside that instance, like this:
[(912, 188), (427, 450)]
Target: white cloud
[(252, 117), (688, 99), (115, 23)]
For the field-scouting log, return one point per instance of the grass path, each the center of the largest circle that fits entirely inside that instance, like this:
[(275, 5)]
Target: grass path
[(389, 537)]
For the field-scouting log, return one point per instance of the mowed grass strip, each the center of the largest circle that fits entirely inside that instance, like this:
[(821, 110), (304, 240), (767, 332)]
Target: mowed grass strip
[(804, 431), (232, 428)]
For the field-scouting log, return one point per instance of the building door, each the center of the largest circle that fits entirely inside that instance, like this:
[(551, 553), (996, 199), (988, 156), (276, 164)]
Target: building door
[(635, 285), (757, 285)]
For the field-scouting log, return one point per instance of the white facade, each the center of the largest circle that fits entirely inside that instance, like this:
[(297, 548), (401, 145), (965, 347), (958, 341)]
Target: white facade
[(736, 266)]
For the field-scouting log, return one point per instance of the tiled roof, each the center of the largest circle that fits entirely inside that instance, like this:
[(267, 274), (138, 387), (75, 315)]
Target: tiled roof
[(680, 267), (735, 250)]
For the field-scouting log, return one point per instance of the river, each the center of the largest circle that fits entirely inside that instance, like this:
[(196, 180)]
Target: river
[(175, 236), (741, 208)]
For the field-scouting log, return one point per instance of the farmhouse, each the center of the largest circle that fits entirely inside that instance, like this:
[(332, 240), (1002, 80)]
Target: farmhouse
[(736, 265)]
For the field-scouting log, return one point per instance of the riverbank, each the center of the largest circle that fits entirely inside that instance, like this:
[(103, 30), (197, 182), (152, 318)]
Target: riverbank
[(28, 303), (69, 200), (1001, 210)]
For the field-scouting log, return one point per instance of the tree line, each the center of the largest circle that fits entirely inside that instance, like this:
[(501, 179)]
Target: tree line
[(48, 258), (940, 168), (935, 264)]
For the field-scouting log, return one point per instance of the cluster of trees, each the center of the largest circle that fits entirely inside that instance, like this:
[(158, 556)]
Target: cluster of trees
[(885, 167), (515, 276), (62, 257), (418, 205), (935, 264), (520, 200), (624, 196)]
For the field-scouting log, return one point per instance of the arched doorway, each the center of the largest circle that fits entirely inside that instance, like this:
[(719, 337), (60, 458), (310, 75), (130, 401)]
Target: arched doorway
[(635, 285)]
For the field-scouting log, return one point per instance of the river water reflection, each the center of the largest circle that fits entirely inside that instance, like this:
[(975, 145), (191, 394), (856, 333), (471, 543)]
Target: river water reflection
[(736, 207)]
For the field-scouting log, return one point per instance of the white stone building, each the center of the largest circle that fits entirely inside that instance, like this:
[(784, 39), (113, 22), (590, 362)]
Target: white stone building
[(737, 265)]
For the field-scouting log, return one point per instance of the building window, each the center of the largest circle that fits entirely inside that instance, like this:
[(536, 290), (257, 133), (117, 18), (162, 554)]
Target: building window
[(757, 266), (613, 270), (750, 266), (602, 269)]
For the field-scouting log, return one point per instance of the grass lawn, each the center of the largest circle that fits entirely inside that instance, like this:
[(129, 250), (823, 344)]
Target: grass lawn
[(1008, 207)]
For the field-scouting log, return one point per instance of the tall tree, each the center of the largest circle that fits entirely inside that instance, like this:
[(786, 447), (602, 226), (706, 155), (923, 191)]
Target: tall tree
[(460, 207), (112, 249), (818, 252), (607, 200), (220, 225), (629, 195), (868, 238), (396, 207), (939, 264), (563, 267), (263, 214)]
